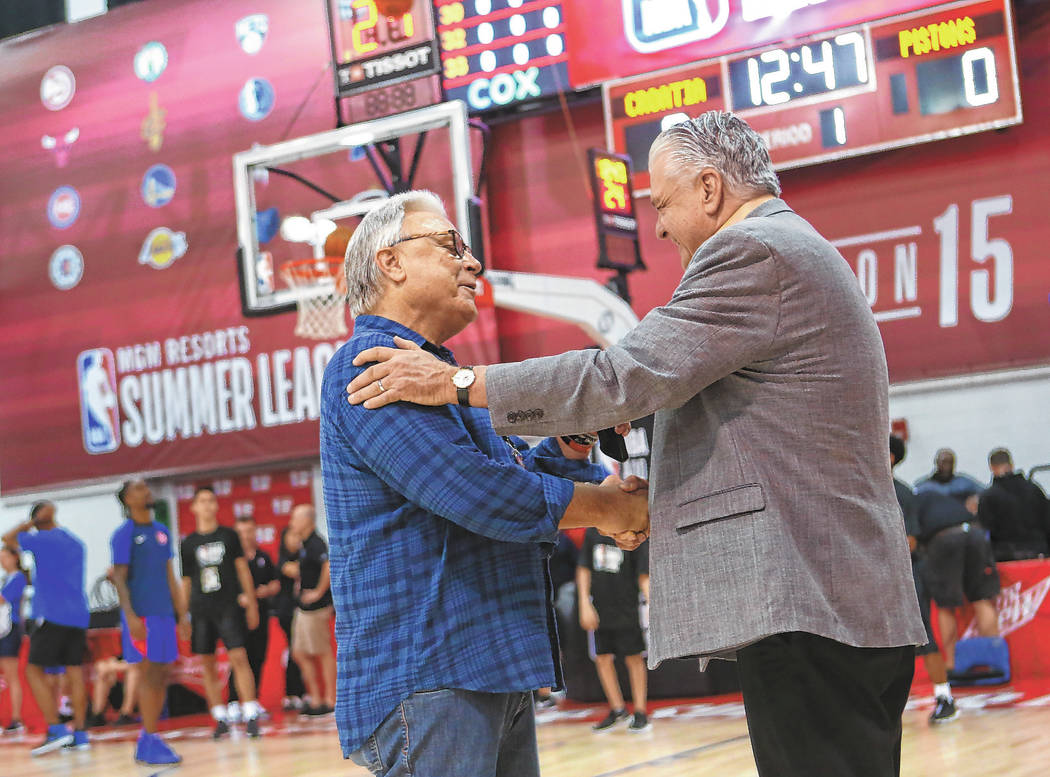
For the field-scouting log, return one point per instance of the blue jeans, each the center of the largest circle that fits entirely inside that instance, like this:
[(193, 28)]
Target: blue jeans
[(455, 733)]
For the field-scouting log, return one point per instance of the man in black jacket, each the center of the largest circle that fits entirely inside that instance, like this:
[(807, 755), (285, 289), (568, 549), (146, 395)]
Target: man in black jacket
[(1014, 510)]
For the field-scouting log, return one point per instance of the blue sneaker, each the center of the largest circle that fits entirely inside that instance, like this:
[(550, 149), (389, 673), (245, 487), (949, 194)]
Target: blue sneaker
[(151, 749), (58, 736), (80, 741)]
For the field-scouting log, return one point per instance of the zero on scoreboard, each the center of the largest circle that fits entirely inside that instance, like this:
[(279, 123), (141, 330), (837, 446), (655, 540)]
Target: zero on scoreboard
[(924, 76)]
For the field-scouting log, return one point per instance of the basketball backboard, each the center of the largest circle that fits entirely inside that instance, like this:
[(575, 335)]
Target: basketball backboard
[(336, 177)]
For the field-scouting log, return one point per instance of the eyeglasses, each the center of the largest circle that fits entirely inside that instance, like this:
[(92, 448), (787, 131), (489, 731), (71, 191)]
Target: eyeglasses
[(459, 249)]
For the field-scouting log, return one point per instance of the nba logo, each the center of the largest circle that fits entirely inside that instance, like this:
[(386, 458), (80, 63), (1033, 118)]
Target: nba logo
[(99, 421)]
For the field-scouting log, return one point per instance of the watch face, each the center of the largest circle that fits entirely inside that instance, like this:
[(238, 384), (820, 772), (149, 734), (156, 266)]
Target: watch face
[(463, 378)]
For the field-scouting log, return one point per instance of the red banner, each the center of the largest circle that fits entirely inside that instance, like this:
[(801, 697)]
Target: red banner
[(125, 349), (1024, 619)]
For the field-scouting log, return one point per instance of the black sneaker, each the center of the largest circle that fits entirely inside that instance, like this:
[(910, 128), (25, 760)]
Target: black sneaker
[(318, 711), (96, 721), (222, 728), (125, 720), (610, 720), (251, 728), (639, 722), (944, 711)]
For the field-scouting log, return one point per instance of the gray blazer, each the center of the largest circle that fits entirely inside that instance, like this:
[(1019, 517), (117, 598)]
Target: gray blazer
[(771, 498)]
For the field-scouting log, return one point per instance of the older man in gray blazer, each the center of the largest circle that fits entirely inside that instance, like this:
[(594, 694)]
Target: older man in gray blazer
[(776, 535)]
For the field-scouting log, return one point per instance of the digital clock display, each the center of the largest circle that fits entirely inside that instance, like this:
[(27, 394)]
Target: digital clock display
[(777, 76), (925, 76), (371, 49)]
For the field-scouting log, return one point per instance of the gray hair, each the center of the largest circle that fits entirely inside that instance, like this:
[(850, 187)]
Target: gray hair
[(720, 140), (379, 229)]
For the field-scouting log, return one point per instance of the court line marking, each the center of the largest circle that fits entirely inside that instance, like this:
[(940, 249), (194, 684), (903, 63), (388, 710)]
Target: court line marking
[(666, 759)]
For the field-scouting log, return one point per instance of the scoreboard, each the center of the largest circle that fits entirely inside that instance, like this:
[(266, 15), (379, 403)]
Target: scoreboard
[(498, 53), (933, 74), (384, 64)]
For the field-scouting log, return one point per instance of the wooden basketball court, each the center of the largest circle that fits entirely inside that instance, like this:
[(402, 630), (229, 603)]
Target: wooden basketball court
[(1000, 733)]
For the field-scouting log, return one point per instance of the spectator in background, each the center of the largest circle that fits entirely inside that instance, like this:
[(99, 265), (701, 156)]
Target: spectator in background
[(960, 567), (284, 607), (152, 608), (311, 625), (944, 708), (945, 480), (608, 581), (11, 592), (264, 576), (60, 604), (214, 576), (1014, 510)]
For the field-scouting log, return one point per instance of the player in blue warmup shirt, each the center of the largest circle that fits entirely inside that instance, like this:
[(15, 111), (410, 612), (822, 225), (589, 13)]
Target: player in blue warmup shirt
[(11, 642), (59, 602), (150, 598)]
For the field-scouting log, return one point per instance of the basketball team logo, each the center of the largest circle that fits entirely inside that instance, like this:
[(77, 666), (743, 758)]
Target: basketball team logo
[(60, 145), (158, 186), (162, 247), (655, 25), (99, 421), (63, 207), (251, 32), (150, 61), (256, 99), (57, 88), (66, 267)]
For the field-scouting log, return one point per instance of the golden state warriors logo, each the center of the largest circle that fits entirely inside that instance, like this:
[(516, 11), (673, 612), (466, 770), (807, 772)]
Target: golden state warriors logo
[(162, 247)]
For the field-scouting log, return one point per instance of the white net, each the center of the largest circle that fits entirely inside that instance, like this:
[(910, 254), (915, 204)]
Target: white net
[(320, 293)]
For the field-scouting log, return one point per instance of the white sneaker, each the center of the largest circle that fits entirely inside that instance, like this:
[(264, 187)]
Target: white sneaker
[(233, 712)]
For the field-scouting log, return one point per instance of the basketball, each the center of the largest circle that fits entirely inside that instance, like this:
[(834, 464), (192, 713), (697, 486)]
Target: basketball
[(394, 7), (336, 242)]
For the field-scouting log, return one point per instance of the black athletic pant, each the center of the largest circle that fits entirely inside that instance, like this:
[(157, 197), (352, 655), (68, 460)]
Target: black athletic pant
[(293, 678), (817, 707), (255, 644)]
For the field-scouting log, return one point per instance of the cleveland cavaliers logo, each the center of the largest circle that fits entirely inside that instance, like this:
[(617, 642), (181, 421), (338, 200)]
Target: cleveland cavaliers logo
[(655, 25)]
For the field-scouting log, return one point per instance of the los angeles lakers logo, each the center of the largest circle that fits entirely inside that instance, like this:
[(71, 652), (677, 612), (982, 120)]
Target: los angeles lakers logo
[(162, 247)]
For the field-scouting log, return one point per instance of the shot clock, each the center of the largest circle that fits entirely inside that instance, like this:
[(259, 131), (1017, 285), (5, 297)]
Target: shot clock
[(924, 76), (385, 64)]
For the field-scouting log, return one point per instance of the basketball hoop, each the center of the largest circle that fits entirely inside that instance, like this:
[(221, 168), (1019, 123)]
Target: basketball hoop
[(320, 293)]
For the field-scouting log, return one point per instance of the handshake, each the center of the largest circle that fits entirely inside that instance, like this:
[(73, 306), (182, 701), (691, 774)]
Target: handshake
[(625, 513)]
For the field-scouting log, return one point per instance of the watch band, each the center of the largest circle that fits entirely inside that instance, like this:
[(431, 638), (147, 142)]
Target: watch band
[(463, 394)]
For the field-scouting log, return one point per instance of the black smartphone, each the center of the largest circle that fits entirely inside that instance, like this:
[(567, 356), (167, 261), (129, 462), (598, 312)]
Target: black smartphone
[(612, 444)]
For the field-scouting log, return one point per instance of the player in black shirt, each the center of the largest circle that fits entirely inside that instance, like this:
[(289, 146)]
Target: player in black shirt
[(214, 576), (609, 581), (311, 630), (264, 578)]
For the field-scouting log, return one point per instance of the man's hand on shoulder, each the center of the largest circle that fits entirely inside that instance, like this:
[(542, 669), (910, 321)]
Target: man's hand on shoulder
[(403, 374)]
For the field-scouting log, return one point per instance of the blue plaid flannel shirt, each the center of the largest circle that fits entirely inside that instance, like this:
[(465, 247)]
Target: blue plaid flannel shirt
[(439, 544)]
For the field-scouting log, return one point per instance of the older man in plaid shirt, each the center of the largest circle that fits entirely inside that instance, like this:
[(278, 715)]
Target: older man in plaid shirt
[(440, 529)]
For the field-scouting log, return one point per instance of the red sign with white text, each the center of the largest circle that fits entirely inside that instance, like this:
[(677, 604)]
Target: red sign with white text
[(629, 37), (125, 348)]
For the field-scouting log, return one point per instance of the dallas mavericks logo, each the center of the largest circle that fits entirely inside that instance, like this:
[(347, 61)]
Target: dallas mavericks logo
[(99, 421), (256, 99), (655, 25)]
